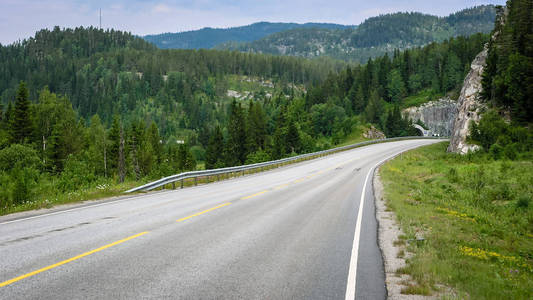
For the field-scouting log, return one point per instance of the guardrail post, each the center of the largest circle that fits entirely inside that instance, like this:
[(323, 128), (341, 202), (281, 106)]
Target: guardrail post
[(173, 185), (195, 181), (182, 183), (242, 172), (218, 177)]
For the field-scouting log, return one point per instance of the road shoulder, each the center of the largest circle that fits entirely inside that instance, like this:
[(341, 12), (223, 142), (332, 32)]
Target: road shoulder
[(394, 253)]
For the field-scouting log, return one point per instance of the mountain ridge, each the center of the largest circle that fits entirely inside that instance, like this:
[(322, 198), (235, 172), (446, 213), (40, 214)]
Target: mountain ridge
[(375, 36), (208, 37)]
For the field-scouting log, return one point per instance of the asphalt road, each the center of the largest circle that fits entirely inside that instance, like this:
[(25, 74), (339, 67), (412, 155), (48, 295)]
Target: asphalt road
[(295, 232)]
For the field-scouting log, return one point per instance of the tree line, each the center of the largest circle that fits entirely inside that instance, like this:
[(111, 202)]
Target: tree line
[(111, 123), (47, 142)]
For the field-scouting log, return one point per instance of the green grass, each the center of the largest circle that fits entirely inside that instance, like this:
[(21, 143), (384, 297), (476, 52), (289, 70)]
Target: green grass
[(419, 99), (476, 216), (356, 136), (47, 195)]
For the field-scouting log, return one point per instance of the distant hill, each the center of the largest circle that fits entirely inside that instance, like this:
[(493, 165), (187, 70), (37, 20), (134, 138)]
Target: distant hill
[(374, 37), (207, 38)]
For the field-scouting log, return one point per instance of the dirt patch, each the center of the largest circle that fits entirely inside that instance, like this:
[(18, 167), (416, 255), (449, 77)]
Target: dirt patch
[(394, 252)]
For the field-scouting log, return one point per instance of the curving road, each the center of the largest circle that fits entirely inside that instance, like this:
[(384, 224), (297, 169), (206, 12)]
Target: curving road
[(297, 232)]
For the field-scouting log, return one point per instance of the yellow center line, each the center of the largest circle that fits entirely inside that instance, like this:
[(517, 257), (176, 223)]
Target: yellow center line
[(203, 212), (299, 180), (254, 195), (70, 259), (281, 186)]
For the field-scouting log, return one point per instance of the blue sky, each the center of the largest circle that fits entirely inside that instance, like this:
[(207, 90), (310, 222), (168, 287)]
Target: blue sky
[(20, 19)]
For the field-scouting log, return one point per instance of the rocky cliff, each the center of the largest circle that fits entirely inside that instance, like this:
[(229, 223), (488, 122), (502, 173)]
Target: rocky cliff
[(469, 106), (438, 116)]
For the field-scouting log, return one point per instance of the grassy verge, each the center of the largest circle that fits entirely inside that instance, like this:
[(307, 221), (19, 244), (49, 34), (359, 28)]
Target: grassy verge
[(48, 195), (356, 136), (475, 216)]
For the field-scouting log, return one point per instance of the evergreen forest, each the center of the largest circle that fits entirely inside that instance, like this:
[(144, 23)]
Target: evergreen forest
[(85, 109)]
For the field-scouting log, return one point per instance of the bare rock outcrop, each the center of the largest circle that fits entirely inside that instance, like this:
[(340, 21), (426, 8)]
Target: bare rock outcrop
[(438, 116), (469, 106), (374, 134)]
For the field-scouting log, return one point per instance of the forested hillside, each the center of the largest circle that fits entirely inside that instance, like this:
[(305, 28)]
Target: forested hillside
[(207, 38), (85, 109), (505, 130), (108, 73), (374, 37)]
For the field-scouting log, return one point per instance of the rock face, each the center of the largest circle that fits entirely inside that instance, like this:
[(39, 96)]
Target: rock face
[(438, 116), (469, 106), (373, 134)]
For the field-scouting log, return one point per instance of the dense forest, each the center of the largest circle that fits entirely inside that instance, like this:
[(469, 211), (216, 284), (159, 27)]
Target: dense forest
[(505, 130), (378, 89), (88, 108), (374, 37), (207, 38)]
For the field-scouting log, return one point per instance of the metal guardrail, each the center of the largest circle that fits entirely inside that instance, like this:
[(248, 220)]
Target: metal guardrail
[(195, 174)]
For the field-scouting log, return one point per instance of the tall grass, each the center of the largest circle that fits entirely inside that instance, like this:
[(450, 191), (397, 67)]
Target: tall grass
[(475, 215)]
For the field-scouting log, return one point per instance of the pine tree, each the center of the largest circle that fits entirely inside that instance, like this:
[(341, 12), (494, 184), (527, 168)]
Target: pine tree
[(114, 143), (374, 109), (293, 138), (215, 150), (121, 157), (251, 137), (395, 87), (155, 141), (186, 161), (9, 114), (279, 146), (236, 145), (21, 125)]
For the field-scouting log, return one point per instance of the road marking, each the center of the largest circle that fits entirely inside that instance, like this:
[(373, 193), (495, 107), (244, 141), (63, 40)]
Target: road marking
[(352, 272), (254, 195), (281, 186), (203, 212), (70, 259)]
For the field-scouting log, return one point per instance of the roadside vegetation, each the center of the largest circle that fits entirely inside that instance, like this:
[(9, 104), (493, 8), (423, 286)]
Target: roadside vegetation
[(468, 222)]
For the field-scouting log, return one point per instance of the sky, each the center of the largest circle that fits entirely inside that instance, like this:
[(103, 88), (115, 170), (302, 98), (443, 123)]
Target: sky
[(20, 19)]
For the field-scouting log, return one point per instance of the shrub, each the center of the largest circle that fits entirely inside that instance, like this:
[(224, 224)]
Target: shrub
[(496, 151), (198, 152), (77, 174), (523, 201), (24, 180), (511, 151), (18, 157), (257, 157)]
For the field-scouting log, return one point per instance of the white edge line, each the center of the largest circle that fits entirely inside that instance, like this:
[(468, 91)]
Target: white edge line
[(352, 272)]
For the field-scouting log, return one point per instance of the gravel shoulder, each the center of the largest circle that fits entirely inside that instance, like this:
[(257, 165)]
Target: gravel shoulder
[(394, 254)]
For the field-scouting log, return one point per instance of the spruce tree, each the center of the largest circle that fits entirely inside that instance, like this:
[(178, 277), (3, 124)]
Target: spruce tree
[(114, 143), (155, 141), (215, 150), (21, 125), (236, 145), (121, 157), (293, 138)]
